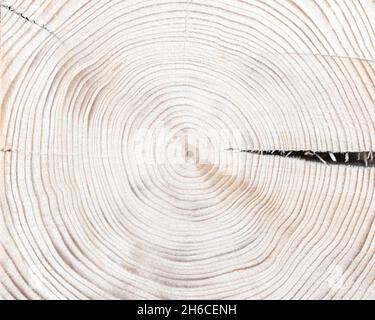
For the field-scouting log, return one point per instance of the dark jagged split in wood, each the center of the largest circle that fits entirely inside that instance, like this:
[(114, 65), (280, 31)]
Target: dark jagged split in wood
[(365, 159)]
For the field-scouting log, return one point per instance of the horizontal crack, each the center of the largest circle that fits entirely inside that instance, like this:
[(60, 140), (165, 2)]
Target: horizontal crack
[(365, 159)]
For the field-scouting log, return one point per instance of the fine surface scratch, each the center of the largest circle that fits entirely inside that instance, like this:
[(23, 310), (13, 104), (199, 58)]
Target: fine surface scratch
[(20, 14)]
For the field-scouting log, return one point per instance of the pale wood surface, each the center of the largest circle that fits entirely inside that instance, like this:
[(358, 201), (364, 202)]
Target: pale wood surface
[(88, 211)]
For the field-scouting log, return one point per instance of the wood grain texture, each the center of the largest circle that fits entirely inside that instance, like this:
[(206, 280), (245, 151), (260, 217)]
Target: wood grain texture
[(116, 178)]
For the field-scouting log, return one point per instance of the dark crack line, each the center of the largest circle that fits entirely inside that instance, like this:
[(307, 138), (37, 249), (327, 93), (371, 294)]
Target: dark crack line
[(20, 14), (364, 159)]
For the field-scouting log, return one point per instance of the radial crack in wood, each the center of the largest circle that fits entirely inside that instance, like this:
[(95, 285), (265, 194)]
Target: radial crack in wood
[(365, 159)]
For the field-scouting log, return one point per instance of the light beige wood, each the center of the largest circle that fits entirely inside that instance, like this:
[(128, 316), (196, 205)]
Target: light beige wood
[(115, 178)]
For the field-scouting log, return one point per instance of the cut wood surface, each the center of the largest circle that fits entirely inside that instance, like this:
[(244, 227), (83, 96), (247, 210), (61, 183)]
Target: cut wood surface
[(146, 149)]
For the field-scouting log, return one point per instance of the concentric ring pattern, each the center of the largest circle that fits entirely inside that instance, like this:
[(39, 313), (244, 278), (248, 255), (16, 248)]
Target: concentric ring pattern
[(116, 178)]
